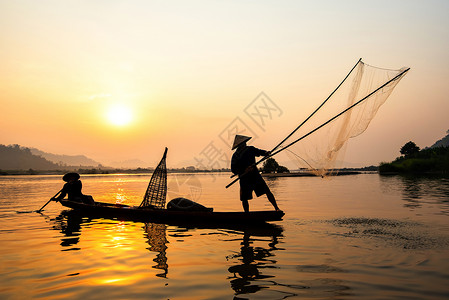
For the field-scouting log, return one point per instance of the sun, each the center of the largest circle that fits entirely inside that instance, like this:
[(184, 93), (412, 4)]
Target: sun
[(119, 115)]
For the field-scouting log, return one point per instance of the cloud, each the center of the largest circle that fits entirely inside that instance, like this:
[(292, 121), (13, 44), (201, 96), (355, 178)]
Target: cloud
[(100, 96)]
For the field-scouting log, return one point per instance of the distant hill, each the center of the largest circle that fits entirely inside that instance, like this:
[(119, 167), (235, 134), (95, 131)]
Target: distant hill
[(15, 157), (69, 160), (444, 142), (131, 163)]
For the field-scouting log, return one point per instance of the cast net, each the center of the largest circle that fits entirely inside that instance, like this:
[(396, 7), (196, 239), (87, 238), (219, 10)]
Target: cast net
[(319, 144), (157, 188)]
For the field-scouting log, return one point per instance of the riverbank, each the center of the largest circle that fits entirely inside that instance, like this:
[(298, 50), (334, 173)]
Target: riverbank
[(182, 170), (311, 174), (427, 161), (108, 171)]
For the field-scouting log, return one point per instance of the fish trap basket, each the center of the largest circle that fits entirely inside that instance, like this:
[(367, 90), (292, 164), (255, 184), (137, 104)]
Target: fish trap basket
[(156, 193)]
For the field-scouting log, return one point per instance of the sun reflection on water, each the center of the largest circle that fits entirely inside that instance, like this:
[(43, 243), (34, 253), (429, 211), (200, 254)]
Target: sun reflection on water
[(349, 237), (120, 197)]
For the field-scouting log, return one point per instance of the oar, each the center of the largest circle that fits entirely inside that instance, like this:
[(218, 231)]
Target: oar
[(38, 211)]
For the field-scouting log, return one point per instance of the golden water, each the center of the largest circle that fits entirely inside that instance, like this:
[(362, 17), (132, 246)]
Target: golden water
[(359, 237)]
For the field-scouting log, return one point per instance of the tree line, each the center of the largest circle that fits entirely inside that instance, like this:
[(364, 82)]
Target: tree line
[(416, 160)]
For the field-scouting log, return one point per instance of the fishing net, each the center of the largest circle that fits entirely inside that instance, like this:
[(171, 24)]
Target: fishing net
[(319, 144), (157, 188)]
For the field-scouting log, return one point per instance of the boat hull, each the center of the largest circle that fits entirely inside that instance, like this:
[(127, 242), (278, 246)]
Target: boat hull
[(118, 211)]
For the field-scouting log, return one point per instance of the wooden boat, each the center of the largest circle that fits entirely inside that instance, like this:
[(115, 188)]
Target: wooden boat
[(152, 208), (128, 212), (74, 218)]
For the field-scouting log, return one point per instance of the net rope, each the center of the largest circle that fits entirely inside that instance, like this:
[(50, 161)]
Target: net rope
[(156, 193)]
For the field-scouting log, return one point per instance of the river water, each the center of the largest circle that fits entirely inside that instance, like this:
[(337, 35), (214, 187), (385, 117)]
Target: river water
[(349, 237)]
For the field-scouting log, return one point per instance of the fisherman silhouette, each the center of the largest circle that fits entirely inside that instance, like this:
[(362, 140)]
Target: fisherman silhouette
[(243, 163), (72, 188)]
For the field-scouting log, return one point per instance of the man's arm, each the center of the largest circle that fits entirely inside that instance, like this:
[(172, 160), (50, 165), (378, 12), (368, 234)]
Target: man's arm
[(260, 152), (61, 196)]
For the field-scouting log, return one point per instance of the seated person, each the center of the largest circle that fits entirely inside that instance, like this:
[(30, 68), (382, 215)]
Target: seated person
[(73, 189)]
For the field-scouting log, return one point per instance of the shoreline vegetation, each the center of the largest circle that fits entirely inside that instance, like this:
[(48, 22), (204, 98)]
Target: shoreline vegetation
[(428, 161), (17, 160), (296, 173)]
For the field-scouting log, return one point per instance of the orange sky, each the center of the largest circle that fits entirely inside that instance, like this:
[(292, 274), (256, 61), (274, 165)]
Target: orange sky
[(184, 71)]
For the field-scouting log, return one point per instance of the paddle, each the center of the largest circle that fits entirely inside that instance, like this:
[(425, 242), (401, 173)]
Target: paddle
[(38, 211)]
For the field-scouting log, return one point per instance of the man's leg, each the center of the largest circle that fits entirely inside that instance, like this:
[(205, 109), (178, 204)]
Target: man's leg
[(245, 195), (272, 200), (245, 205)]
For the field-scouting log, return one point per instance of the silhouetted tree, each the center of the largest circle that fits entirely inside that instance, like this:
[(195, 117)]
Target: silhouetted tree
[(283, 169), (271, 166), (409, 149)]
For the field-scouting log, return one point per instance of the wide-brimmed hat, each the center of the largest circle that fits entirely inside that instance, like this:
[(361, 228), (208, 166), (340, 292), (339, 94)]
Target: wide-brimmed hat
[(239, 139), (67, 177)]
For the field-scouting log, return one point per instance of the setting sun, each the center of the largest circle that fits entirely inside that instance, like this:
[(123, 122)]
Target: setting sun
[(119, 115)]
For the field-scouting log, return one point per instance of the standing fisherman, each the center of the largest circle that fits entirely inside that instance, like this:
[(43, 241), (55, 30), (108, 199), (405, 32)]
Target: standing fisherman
[(243, 163)]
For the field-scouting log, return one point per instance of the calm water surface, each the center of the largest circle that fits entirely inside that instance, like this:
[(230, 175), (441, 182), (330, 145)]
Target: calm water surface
[(351, 237)]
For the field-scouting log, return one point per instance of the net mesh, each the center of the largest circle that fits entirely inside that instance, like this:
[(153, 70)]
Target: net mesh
[(157, 188), (366, 88)]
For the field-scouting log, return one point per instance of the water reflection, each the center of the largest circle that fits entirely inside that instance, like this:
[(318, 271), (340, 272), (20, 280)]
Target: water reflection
[(412, 192), (69, 223), (255, 271), (157, 239), (420, 190), (251, 260), (70, 226), (247, 275)]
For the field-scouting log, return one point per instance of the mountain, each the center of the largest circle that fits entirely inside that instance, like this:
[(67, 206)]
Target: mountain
[(129, 164), (67, 160), (444, 142), (15, 157)]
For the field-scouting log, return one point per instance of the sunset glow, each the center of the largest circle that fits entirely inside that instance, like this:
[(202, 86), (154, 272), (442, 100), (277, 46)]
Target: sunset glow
[(178, 74), (145, 102), (119, 115)]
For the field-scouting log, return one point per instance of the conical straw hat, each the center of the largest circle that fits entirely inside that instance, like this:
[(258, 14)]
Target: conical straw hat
[(69, 176), (239, 139)]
